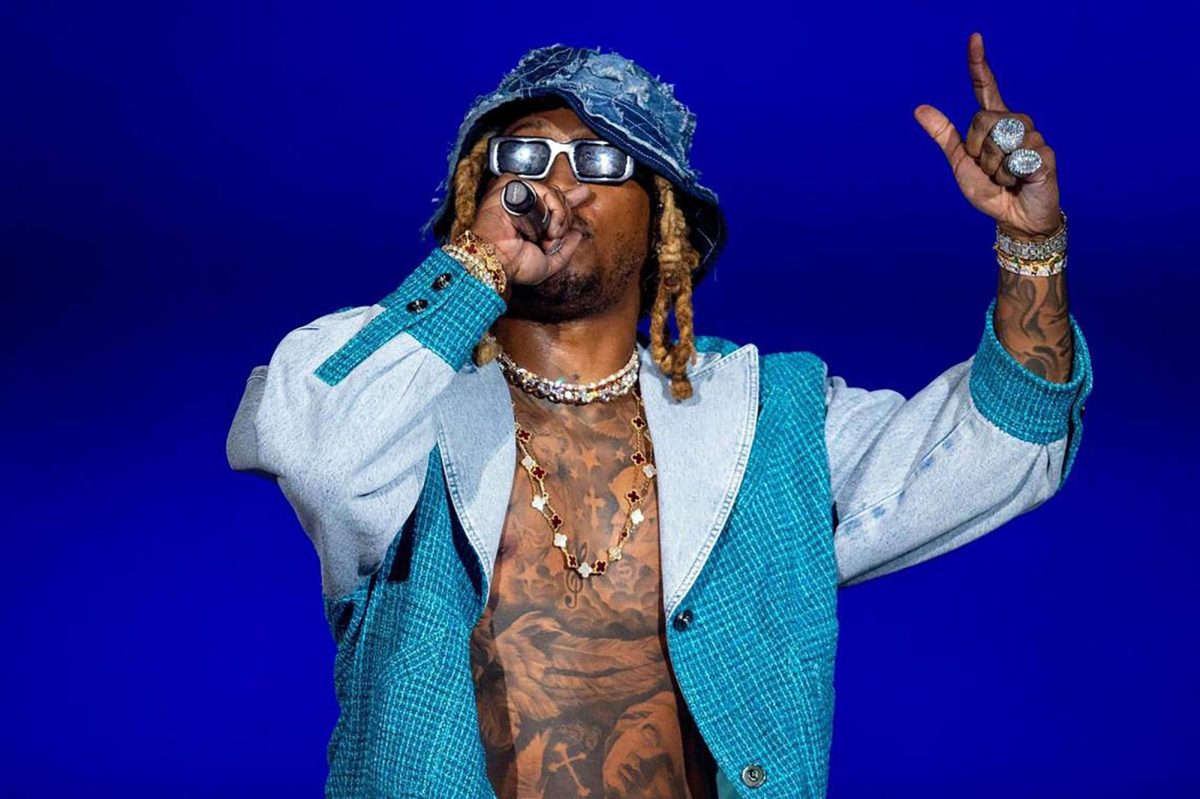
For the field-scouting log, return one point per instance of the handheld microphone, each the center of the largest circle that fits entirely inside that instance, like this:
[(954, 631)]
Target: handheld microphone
[(529, 214)]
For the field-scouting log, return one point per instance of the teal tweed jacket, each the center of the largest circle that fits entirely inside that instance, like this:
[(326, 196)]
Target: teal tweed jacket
[(778, 483)]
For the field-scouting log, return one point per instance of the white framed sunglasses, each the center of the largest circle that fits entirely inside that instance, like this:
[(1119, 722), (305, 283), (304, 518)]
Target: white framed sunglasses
[(592, 160)]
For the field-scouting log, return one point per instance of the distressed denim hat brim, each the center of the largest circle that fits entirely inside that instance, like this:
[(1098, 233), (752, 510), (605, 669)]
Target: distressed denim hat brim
[(623, 103)]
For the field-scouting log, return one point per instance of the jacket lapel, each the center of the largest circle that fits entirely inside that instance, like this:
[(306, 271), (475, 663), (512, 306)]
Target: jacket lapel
[(701, 447)]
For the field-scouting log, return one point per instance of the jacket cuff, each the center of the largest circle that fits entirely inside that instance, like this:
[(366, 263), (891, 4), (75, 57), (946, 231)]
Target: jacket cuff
[(1027, 405), (441, 304)]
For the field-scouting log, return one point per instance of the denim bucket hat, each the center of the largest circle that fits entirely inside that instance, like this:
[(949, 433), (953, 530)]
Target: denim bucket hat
[(622, 102)]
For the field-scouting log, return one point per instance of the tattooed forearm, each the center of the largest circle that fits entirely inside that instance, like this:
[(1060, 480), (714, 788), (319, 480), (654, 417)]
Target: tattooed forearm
[(1033, 325)]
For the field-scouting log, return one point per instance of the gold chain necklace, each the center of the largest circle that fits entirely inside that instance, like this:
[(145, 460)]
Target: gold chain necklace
[(634, 517)]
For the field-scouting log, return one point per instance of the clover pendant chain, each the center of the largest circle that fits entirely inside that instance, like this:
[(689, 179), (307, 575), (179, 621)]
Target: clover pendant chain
[(634, 516)]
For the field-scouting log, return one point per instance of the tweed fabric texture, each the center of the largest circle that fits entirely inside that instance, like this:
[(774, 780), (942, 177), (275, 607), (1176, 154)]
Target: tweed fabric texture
[(755, 666), (1027, 405), (408, 725), (451, 332), (756, 662)]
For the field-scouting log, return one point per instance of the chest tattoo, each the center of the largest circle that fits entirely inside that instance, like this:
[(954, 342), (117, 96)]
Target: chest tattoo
[(574, 689)]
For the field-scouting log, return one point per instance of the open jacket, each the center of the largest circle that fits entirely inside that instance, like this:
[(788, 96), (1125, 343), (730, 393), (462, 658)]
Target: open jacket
[(777, 484)]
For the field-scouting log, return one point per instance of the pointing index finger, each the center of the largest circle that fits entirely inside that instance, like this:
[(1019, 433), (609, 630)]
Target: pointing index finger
[(982, 79)]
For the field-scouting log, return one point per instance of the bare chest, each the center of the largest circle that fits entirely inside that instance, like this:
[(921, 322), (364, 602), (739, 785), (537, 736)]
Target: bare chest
[(574, 688)]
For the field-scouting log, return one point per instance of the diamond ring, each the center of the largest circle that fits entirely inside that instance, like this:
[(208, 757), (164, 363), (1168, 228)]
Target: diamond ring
[(1023, 162), (1008, 133)]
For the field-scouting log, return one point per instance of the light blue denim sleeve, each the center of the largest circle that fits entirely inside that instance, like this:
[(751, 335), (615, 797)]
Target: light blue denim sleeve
[(914, 478), (341, 418)]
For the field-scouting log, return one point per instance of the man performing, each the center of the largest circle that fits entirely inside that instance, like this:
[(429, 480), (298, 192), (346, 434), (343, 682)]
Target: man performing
[(561, 558)]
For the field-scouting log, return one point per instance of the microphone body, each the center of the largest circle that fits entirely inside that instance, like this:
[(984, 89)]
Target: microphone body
[(529, 214)]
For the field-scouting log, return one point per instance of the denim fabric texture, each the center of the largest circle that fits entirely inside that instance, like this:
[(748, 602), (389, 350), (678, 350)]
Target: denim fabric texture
[(1026, 405), (622, 102), (756, 663), (779, 484)]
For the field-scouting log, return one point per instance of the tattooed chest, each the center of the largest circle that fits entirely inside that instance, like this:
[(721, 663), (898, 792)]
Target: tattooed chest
[(573, 683)]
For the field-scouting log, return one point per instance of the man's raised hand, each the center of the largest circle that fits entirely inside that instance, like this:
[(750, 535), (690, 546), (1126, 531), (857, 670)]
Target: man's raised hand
[(1023, 206)]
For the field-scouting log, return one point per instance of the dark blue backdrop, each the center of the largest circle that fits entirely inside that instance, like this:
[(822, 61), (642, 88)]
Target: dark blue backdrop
[(183, 183)]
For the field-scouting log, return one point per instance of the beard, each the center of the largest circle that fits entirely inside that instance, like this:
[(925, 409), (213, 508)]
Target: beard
[(582, 288), (573, 292)]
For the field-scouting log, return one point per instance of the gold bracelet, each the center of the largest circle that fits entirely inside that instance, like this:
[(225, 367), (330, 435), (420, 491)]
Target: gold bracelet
[(1031, 267), (477, 260), (480, 259)]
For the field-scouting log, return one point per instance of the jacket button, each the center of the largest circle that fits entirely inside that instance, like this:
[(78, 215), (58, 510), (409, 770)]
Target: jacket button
[(1082, 408), (441, 281), (754, 775), (418, 304), (682, 619)]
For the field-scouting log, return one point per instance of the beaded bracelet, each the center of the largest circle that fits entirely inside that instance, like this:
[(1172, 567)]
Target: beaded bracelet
[(480, 259)]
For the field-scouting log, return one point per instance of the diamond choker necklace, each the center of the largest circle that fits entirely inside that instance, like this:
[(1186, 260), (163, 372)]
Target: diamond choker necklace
[(615, 385)]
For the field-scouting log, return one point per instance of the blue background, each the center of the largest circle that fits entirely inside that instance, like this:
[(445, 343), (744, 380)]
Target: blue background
[(183, 183)]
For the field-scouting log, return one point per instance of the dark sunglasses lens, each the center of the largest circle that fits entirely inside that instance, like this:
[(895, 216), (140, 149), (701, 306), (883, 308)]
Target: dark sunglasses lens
[(600, 161), (523, 157)]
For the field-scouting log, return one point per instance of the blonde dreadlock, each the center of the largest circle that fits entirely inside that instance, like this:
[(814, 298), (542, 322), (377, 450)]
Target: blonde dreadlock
[(467, 184), (677, 261)]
